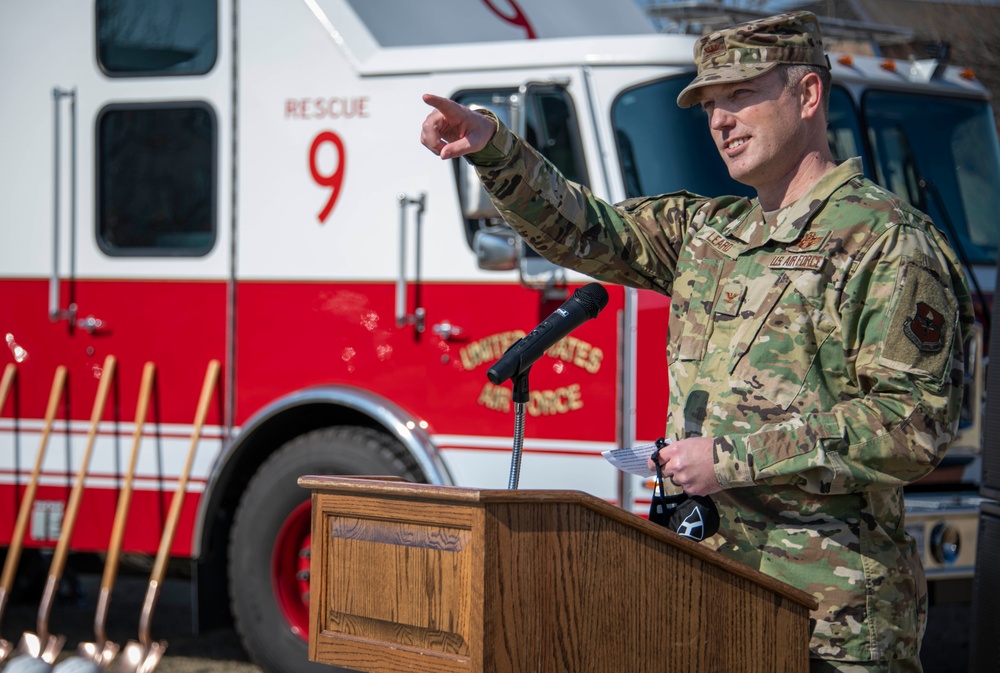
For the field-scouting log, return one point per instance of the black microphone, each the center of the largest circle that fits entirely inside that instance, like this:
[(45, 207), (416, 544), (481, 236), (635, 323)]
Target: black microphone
[(585, 304)]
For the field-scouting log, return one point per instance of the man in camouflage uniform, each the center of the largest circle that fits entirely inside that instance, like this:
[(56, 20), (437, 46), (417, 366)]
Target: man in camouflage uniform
[(815, 336)]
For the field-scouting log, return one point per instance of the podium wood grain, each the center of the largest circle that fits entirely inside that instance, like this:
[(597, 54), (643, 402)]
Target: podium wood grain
[(413, 577)]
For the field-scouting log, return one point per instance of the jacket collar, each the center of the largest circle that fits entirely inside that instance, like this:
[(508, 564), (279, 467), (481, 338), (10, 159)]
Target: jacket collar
[(790, 221)]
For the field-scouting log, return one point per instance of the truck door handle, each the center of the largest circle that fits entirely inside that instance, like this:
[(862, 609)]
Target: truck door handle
[(91, 324), (403, 316), (56, 311), (447, 331)]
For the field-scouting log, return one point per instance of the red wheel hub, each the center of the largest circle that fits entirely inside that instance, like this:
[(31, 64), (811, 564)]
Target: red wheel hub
[(290, 570)]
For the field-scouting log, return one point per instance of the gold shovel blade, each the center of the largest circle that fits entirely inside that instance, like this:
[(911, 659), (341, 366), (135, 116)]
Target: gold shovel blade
[(6, 647), (138, 658), (33, 646), (101, 656)]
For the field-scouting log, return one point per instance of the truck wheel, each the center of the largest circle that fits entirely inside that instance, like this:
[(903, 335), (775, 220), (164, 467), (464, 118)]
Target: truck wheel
[(269, 544)]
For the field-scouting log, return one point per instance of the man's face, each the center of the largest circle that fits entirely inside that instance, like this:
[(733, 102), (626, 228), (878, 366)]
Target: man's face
[(757, 128)]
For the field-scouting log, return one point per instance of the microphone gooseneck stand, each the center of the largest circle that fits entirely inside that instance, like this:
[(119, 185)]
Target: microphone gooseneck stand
[(520, 397), (516, 361)]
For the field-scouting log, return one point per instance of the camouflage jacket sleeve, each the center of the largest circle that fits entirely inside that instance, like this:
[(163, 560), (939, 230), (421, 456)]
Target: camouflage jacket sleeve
[(904, 313), (565, 223)]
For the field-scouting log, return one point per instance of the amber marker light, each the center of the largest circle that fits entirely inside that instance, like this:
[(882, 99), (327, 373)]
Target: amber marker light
[(846, 60), (967, 73), (888, 64)]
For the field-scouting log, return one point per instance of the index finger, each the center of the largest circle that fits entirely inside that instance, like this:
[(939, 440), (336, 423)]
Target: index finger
[(446, 106)]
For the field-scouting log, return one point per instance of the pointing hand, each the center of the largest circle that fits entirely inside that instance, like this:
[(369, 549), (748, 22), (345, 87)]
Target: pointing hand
[(452, 130)]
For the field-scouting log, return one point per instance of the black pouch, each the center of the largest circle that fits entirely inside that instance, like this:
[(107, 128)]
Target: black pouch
[(694, 517)]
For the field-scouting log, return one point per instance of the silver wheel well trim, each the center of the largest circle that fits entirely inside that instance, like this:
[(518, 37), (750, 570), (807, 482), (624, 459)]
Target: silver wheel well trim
[(400, 424)]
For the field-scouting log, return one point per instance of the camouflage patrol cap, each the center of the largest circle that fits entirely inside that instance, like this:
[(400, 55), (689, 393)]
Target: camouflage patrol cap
[(750, 49)]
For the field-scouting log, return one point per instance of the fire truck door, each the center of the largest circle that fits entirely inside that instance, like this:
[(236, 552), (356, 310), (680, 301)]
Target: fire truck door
[(120, 126), (114, 240)]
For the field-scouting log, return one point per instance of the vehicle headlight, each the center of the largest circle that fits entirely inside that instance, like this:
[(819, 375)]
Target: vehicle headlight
[(946, 541)]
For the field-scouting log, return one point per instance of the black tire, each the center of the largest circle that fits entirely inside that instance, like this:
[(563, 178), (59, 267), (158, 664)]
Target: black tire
[(272, 504)]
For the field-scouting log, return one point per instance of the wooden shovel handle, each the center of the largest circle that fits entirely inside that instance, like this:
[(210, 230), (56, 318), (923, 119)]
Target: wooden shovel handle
[(73, 505), (174, 514), (121, 514), (125, 497), (24, 513), (5, 385)]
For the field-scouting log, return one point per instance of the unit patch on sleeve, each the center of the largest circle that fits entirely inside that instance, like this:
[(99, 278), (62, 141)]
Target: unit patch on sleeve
[(925, 328), (923, 321)]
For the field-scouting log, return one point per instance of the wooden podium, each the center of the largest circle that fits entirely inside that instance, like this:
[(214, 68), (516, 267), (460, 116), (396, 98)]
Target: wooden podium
[(435, 579)]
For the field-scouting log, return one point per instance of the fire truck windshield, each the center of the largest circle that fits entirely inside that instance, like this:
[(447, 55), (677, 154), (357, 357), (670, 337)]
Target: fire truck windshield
[(940, 154)]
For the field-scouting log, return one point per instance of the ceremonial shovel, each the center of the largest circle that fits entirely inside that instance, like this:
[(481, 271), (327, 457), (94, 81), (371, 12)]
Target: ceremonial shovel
[(8, 381), (24, 513), (144, 655), (95, 657), (37, 652)]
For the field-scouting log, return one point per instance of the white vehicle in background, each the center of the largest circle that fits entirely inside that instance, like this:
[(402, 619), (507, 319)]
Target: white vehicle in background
[(185, 180)]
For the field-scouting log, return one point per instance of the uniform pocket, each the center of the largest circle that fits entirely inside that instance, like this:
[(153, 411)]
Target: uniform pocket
[(691, 305), (778, 348)]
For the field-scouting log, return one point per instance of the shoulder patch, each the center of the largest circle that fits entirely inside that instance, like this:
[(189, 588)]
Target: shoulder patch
[(925, 328), (923, 323)]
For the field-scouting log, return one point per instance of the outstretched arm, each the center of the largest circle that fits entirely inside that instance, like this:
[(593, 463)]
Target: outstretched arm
[(635, 244)]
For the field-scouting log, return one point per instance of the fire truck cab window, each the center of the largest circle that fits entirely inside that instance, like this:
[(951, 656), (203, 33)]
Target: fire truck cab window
[(167, 37), (844, 126), (156, 171), (656, 141), (549, 125)]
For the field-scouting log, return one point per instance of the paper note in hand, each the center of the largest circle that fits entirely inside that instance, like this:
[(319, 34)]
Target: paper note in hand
[(632, 459)]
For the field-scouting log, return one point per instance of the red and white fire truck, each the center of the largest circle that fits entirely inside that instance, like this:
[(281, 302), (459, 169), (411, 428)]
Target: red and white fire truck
[(241, 180)]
